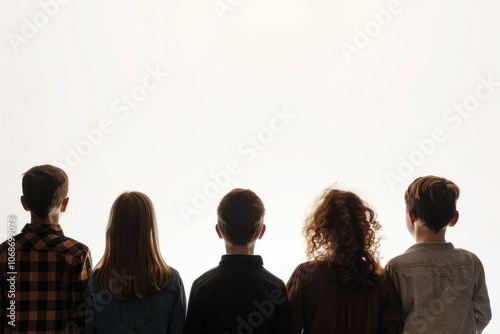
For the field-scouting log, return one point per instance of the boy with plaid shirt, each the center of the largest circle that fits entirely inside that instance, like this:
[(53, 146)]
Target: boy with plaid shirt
[(51, 270)]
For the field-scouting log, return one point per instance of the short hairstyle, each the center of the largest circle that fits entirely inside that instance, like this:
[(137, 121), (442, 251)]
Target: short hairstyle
[(44, 188), (132, 247), (433, 200), (240, 216)]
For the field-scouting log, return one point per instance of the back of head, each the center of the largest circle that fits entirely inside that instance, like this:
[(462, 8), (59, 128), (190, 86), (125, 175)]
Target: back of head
[(433, 200), (44, 189), (240, 217), (132, 247), (341, 231)]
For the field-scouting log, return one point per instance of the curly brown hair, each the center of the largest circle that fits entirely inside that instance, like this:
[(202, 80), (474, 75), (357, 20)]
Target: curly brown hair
[(341, 231)]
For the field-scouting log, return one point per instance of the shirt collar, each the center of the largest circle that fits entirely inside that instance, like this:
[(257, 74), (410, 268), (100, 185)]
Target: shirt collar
[(43, 228), (431, 246), (246, 259)]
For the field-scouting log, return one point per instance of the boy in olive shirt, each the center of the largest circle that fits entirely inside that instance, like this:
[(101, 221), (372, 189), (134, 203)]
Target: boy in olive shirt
[(442, 288)]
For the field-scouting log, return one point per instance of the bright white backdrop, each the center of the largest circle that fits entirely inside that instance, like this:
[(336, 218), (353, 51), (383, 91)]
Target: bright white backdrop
[(185, 100)]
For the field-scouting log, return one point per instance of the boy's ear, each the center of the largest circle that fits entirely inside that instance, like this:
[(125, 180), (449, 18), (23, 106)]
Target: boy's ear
[(64, 204), (410, 214), (261, 234), (454, 219), (23, 202), (219, 233)]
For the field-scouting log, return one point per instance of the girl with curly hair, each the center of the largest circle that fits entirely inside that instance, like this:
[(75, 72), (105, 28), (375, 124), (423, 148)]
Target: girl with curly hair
[(343, 288)]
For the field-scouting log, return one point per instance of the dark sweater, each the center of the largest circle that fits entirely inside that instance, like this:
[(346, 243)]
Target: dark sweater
[(238, 297), (318, 307)]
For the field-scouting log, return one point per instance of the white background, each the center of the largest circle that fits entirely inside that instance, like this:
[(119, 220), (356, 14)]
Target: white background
[(353, 117)]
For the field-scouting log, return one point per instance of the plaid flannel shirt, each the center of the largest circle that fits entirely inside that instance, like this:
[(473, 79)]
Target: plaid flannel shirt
[(50, 272)]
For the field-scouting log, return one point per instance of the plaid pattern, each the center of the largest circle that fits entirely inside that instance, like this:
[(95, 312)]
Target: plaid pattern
[(51, 277)]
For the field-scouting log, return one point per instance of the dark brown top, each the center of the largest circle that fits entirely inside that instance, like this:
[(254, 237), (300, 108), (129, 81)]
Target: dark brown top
[(319, 308)]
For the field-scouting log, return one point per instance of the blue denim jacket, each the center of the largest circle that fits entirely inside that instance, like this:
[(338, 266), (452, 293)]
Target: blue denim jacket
[(162, 312)]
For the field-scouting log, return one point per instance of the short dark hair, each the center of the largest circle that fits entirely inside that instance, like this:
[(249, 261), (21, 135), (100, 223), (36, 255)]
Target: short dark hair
[(44, 189), (433, 200), (240, 216)]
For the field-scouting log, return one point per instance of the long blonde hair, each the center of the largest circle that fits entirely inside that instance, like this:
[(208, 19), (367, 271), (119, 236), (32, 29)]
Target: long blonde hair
[(132, 250)]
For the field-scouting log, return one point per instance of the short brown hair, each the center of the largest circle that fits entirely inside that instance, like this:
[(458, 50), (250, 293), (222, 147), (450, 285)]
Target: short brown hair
[(433, 200), (240, 216), (44, 188)]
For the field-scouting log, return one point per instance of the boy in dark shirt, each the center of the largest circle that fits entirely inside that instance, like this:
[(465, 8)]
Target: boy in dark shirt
[(239, 296)]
